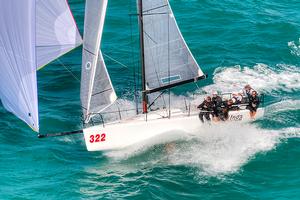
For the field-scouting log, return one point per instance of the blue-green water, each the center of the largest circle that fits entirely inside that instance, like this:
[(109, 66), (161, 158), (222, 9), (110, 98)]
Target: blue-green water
[(235, 42)]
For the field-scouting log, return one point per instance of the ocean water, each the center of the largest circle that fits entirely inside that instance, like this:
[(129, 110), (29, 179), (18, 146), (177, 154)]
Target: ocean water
[(235, 42)]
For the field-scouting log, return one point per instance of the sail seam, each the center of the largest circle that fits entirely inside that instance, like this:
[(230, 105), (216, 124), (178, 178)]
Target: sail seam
[(101, 92), (155, 8), (89, 52), (162, 13), (150, 37)]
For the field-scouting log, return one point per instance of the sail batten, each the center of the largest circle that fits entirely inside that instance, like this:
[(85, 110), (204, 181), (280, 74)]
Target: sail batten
[(97, 92), (168, 60)]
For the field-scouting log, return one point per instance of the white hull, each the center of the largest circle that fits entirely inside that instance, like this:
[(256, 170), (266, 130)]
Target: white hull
[(126, 133)]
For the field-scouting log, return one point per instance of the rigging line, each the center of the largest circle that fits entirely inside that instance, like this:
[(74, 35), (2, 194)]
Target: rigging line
[(133, 64), (116, 61), (138, 61), (169, 67), (59, 45), (112, 112), (197, 85), (74, 76), (160, 95)]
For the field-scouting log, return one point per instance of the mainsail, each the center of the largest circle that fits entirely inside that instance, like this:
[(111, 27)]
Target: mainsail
[(97, 92), (29, 33), (167, 58)]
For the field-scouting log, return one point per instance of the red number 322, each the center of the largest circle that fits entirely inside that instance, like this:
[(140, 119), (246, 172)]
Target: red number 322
[(97, 138)]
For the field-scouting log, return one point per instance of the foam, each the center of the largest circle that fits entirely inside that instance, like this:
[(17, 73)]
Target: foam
[(294, 47), (261, 77), (282, 106), (289, 133), (213, 151), (141, 148), (224, 148)]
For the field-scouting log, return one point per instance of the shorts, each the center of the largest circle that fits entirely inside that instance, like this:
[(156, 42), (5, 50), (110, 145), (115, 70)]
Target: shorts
[(251, 108)]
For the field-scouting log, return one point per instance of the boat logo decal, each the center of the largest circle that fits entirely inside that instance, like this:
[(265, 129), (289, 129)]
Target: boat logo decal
[(170, 79), (236, 117)]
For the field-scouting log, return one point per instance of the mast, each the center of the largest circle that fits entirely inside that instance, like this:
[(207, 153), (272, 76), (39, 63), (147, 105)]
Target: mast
[(142, 56)]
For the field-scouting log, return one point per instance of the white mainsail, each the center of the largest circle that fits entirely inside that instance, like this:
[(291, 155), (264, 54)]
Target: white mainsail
[(29, 32), (168, 60), (97, 92)]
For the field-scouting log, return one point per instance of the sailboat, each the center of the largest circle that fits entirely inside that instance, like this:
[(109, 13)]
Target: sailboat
[(50, 31)]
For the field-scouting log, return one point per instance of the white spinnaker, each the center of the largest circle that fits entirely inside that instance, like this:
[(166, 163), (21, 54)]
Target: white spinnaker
[(33, 33), (168, 59), (97, 92), (18, 84), (56, 30)]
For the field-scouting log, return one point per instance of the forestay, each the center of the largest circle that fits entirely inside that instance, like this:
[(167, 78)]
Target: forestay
[(31, 36), (97, 92), (168, 60)]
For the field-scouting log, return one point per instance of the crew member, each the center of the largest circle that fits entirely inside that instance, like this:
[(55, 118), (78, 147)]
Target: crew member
[(226, 107), (247, 91), (253, 104), (217, 105), (206, 108), (237, 98)]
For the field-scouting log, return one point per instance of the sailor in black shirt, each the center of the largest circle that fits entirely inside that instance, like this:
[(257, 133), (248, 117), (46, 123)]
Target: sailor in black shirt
[(253, 103), (206, 108), (217, 103)]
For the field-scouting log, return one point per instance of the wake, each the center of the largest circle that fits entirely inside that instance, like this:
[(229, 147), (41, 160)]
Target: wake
[(215, 150), (224, 148), (262, 77), (294, 47)]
